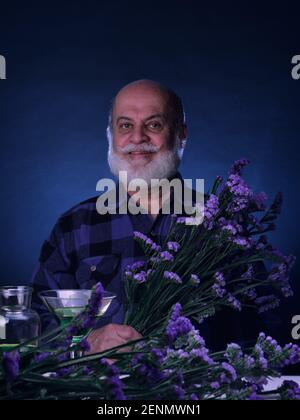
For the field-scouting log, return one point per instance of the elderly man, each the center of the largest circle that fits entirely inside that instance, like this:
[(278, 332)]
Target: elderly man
[(147, 135)]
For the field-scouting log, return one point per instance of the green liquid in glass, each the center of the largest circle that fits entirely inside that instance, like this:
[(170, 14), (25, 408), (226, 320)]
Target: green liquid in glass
[(66, 315), (8, 347)]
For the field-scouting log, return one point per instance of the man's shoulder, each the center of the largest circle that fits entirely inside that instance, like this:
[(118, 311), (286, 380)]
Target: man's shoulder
[(83, 213), (87, 205)]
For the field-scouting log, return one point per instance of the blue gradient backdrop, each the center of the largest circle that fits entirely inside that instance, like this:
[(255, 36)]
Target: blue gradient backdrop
[(65, 61)]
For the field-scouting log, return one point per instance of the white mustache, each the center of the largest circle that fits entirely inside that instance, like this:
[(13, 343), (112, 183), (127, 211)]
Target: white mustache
[(139, 148)]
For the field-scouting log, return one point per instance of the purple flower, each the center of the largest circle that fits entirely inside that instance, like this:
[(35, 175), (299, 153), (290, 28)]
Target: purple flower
[(242, 242), (219, 292), (249, 362), (173, 246), (238, 166), (195, 339), (233, 352), (173, 277), (210, 211), (292, 354), (128, 273), (135, 266), (155, 247), (234, 302), (250, 294), (178, 325), (202, 354), (266, 303), (143, 238), (176, 311), (230, 370), (238, 186), (178, 328), (182, 354), (220, 278), (158, 355), (195, 280), (140, 277), (166, 256), (253, 395), (116, 387), (149, 373), (289, 390), (241, 193), (140, 235), (11, 365), (113, 381), (155, 260), (95, 300), (230, 228), (215, 385), (260, 357), (217, 288), (179, 392), (280, 273)]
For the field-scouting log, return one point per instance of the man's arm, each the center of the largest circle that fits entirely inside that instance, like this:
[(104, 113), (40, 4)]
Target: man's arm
[(54, 271)]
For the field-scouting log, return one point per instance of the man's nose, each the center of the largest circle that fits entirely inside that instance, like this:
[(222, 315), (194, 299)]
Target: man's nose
[(139, 135)]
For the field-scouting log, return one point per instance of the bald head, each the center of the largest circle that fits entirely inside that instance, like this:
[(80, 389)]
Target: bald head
[(139, 90)]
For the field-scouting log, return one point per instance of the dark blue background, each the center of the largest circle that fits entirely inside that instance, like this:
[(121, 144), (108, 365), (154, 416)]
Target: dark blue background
[(65, 61)]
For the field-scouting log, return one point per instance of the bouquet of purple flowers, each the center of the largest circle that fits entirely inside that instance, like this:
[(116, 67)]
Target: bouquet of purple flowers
[(227, 261), (222, 262)]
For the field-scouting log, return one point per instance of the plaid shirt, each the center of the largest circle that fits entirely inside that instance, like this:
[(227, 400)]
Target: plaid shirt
[(85, 247)]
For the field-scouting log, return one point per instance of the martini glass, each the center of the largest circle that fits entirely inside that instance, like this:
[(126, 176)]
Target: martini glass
[(67, 304)]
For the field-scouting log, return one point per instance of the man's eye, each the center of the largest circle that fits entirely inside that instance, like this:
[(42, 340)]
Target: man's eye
[(155, 125), (125, 126)]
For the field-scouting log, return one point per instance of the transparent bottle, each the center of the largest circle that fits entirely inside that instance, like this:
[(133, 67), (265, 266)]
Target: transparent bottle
[(18, 322)]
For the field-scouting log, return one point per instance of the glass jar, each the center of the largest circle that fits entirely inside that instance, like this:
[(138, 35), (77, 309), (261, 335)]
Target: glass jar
[(18, 322)]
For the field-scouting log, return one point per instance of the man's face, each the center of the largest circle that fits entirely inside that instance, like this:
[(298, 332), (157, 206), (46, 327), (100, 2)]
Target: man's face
[(141, 125), (143, 139)]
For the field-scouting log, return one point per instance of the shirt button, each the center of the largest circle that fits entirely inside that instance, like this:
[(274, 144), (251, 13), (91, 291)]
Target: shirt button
[(93, 268)]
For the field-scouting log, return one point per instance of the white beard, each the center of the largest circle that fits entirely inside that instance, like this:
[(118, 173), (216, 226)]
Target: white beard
[(163, 165)]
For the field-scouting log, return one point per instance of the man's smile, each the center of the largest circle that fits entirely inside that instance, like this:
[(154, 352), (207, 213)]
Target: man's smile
[(139, 154)]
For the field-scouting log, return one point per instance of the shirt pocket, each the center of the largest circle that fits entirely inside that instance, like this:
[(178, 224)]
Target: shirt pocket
[(102, 268)]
